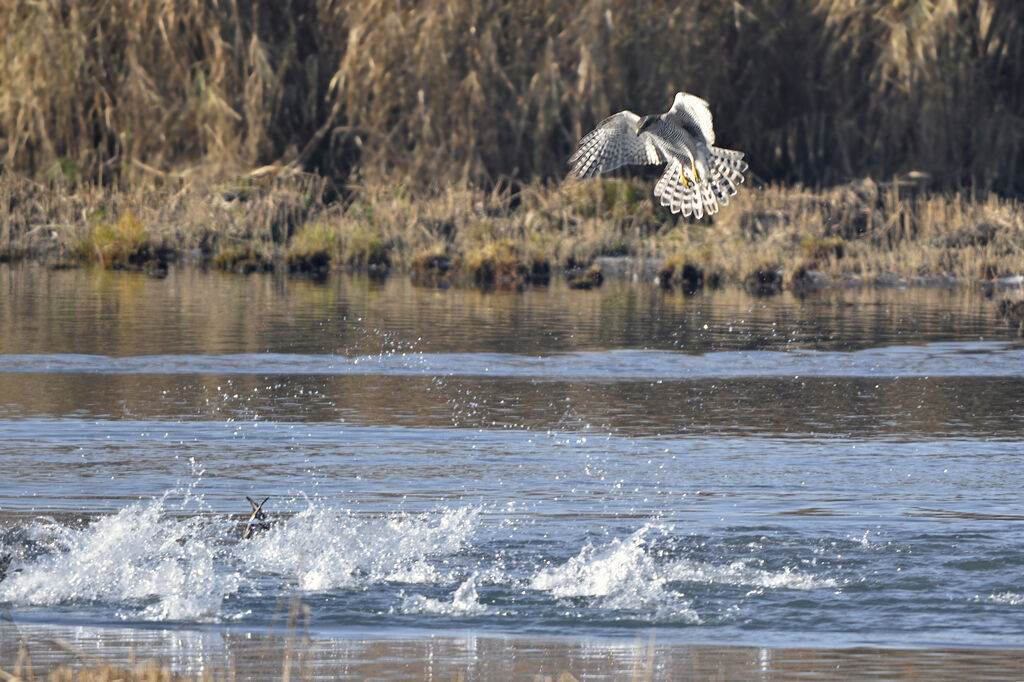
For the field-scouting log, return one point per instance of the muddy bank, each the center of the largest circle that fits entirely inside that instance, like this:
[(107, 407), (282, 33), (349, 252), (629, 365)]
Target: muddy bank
[(769, 239)]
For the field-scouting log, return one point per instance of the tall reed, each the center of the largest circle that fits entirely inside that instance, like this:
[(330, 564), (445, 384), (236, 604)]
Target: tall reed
[(162, 92)]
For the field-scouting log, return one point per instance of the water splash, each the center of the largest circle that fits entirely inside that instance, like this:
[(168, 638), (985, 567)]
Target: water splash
[(326, 549), (149, 564), (745, 572), (465, 602), (1006, 598), (639, 576), (622, 575), (161, 561)]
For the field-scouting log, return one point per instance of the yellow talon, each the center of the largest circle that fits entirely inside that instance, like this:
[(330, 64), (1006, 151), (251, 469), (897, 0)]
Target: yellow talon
[(696, 175), (682, 176)]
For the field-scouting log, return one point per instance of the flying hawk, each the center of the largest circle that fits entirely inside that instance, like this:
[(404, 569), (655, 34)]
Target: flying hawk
[(698, 176)]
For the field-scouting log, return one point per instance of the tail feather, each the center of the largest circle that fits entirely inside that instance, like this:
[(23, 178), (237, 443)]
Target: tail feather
[(670, 190), (723, 180), (725, 172), (730, 164), (722, 186), (688, 202), (726, 169), (678, 196), (708, 197), (720, 192), (693, 199), (661, 188)]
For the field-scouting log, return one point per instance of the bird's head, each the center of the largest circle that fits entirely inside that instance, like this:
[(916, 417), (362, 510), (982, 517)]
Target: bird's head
[(644, 122)]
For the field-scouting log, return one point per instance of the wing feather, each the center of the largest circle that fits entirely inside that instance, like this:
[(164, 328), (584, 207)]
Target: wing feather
[(693, 114), (613, 143)]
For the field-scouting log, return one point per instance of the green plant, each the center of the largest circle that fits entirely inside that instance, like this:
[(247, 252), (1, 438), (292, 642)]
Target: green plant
[(122, 243)]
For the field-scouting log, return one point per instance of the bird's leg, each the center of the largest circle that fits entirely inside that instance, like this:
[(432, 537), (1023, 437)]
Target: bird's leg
[(696, 175), (682, 176)]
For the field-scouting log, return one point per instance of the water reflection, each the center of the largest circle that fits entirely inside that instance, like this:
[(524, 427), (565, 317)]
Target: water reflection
[(257, 655), (193, 311)]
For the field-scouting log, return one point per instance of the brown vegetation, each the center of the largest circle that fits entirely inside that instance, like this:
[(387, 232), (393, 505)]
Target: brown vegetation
[(433, 136), (506, 239), (137, 92), (593, 277)]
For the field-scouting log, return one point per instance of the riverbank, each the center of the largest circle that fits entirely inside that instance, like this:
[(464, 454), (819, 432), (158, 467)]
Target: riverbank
[(769, 239)]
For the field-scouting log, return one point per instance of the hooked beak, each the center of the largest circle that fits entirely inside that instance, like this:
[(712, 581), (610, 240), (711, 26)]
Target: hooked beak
[(643, 123)]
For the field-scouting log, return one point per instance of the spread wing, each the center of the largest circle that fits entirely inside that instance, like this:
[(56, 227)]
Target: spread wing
[(614, 143), (692, 113)]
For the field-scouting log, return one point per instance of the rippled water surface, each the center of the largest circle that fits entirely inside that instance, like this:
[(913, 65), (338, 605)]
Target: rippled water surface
[(495, 484)]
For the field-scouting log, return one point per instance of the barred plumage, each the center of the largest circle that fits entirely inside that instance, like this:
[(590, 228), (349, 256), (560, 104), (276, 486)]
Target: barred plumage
[(698, 177)]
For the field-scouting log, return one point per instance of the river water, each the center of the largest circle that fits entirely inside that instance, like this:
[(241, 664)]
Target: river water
[(609, 483)]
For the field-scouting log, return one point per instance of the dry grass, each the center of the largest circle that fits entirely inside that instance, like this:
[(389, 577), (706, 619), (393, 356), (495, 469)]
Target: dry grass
[(433, 136), (141, 93), (42, 219), (868, 230), (864, 230), (509, 237)]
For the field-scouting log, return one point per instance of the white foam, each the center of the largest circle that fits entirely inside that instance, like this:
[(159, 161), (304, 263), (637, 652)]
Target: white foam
[(160, 567), (148, 564), (630, 574), (619, 575), (1008, 598), (465, 602), (326, 549), (743, 572), (604, 571)]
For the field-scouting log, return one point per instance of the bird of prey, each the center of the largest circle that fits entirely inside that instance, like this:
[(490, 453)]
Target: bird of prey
[(698, 176)]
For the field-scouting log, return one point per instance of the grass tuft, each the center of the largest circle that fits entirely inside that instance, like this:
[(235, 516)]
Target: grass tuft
[(764, 280), (589, 279), (367, 247), (124, 244), (432, 267), (496, 265), (314, 248), (243, 259)]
